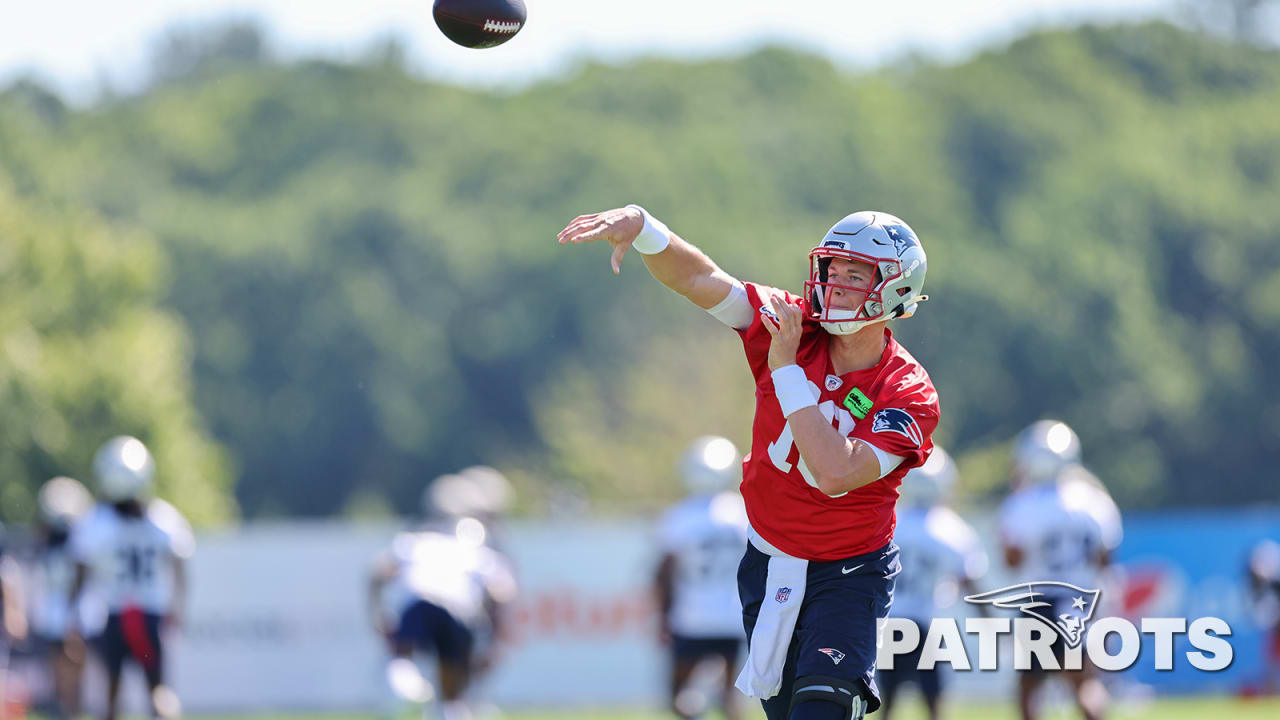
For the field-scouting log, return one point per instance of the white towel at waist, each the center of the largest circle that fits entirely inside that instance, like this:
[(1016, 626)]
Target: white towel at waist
[(761, 676)]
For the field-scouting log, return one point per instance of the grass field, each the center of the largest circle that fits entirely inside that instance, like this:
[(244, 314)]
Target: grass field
[(1199, 708)]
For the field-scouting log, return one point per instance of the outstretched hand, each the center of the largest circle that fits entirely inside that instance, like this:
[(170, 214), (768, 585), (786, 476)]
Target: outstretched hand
[(785, 332), (619, 227)]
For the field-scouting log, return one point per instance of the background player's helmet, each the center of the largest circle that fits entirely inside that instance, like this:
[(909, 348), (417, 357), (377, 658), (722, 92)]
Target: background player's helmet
[(710, 464), (883, 241), (1042, 451), (496, 494), (62, 501), (929, 484), (452, 496), (124, 469)]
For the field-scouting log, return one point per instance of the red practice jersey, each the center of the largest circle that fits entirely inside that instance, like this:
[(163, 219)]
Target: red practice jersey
[(892, 405)]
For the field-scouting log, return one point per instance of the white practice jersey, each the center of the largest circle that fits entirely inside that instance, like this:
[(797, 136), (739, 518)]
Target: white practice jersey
[(130, 560), (706, 535), (451, 573), (1061, 528), (938, 550)]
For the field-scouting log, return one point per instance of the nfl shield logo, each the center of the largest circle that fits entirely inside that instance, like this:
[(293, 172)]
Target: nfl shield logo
[(783, 594)]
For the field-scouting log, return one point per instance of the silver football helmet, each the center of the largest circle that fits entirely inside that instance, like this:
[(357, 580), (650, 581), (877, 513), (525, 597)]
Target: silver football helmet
[(710, 464), (931, 483), (496, 491), (451, 496), (124, 469), (62, 501), (887, 244), (1042, 451)]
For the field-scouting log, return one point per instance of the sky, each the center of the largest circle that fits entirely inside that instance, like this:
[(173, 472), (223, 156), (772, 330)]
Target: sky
[(74, 45)]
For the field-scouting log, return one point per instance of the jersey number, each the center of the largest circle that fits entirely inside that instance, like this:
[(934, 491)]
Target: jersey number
[(780, 449), (137, 565)]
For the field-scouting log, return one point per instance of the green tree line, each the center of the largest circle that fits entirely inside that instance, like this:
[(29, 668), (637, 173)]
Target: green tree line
[(353, 285)]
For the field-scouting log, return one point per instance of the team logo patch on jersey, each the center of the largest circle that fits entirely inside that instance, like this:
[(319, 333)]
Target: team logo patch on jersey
[(835, 655), (834, 382), (1068, 616), (898, 421), (783, 594), (902, 238)]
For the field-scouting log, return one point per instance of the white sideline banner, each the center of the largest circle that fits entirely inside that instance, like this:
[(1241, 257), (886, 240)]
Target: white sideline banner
[(278, 619)]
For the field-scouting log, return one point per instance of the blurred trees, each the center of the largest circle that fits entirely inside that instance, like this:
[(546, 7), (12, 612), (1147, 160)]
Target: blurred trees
[(86, 354), (366, 268)]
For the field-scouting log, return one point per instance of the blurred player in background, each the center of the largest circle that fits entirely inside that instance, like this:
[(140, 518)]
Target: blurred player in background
[(62, 502), (702, 539), (1059, 524), (133, 548), (1264, 597), (941, 558), (843, 411), (442, 590), (13, 616)]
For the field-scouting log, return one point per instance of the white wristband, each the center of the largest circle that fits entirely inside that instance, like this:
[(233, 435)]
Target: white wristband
[(792, 388), (654, 237)]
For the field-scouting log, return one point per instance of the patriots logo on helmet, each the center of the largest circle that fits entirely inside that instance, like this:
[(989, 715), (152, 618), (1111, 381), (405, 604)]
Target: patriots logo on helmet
[(1068, 616), (898, 421), (902, 238), (835, 655)]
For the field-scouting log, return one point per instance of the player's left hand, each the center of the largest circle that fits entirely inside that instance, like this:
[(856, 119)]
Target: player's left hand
[(786, 332)]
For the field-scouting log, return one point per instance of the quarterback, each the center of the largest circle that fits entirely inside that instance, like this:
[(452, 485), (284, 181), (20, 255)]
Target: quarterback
[(843, 412)]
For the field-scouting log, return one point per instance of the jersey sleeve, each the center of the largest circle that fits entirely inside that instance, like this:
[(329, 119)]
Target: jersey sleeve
[(498, 576), (903, 425), (1107, 515), (973, 562), (182, 541), (755, 336)]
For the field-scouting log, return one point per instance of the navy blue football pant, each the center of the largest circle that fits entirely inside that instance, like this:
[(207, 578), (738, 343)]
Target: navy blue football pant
[(835, 634), (430, 628)]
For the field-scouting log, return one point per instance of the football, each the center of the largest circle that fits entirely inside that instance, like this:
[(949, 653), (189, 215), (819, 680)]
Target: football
[(479, 23)]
